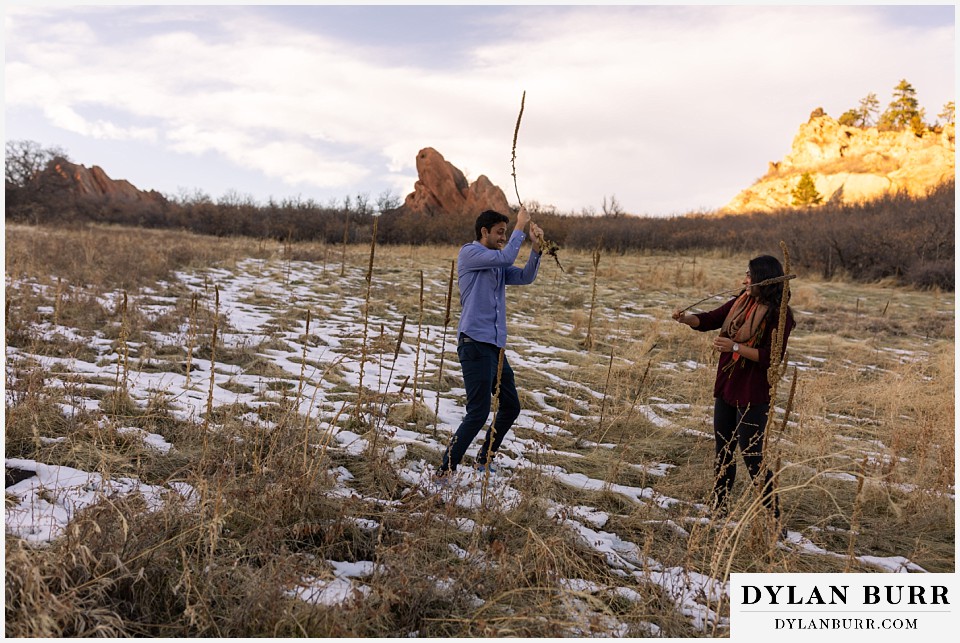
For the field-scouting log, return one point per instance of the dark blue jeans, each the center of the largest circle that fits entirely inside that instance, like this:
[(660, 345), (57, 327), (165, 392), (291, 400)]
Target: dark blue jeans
[(744, 427), (479, 364)]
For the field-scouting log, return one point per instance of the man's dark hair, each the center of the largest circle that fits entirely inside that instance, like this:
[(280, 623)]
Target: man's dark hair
[(488, 219)]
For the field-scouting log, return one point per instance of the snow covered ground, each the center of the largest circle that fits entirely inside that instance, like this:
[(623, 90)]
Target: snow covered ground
[(251, 296)]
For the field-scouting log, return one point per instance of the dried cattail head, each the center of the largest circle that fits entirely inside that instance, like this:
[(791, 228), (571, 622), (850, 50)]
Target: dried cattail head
[(550, 248)]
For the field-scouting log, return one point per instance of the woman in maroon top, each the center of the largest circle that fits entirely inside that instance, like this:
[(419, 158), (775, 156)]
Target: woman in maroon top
[(741, 391)]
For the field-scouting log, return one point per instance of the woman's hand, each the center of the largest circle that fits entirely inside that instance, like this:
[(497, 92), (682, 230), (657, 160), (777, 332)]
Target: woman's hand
[(690, 320), (723, 344)]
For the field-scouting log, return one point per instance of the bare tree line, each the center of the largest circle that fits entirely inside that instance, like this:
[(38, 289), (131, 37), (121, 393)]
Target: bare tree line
[(900, 236)]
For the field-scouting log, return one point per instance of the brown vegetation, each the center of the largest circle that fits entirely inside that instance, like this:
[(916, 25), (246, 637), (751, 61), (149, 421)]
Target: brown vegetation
[(910, 239), (875, 364)]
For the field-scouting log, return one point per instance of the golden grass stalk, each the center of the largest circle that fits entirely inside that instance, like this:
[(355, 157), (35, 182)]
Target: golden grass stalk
[(588, 340), (213, 367), (303, 357), (346, 235), (416, 356), (313, 398), (855, 518), (191, 334), (366, 318), (383, 398), (379, 341), (643, 379), (57, 301), (443, 344), (603, 402), (790, 398), (325, 440), (120, 386)]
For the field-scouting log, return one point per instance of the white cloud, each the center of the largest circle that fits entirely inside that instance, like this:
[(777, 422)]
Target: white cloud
[(64, 117), (671, 109)]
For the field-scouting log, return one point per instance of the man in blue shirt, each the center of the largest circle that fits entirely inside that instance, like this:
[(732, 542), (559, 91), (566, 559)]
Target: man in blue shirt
[(484, 270)]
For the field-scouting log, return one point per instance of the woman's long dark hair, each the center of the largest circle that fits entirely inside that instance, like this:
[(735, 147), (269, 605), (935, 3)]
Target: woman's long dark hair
[(767, 267)]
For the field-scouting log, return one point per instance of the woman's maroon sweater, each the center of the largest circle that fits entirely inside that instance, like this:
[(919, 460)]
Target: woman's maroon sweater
[(745, 382)]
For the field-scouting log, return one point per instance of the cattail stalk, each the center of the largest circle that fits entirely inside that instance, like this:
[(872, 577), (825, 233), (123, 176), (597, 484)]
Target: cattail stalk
[(588, 341), (383, 333), (366, 318), (416, 357), (122, 353), (513, 150), (213, 349), (303, 357), (443, 344), (56, 304), (346, 232), (213, 367), (778, 363), (191, 334), (789, 408)]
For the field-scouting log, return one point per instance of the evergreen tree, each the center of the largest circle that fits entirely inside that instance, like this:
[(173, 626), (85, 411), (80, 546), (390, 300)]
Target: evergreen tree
[(869, 107), (949, 113), (903, 110), (805, 193), (861, 116), (850, 118)]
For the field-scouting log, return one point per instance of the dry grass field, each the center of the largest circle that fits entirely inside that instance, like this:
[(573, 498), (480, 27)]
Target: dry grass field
[(232, 437)]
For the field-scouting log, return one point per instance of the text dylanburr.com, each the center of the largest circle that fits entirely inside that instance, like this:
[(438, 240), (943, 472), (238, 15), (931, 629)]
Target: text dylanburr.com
[(844, 607)]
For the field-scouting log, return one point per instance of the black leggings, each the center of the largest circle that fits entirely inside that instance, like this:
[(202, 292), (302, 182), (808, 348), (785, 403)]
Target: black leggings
[(740, 426)]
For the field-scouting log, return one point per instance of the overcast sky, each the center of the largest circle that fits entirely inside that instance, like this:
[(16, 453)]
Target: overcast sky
[(669, 109)]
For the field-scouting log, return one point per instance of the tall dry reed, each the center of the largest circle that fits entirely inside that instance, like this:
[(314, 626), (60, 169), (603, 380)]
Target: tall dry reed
[(588, 340), (443, 347), (366, 321)]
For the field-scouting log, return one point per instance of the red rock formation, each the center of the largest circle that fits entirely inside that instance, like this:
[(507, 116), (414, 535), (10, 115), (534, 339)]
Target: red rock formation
[(443, 189), (93, 182)]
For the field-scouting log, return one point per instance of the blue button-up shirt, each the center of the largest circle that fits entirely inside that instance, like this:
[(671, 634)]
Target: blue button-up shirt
[(483, 275)]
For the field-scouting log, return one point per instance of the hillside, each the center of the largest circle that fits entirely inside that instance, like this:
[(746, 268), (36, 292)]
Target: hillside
[(852, 165)]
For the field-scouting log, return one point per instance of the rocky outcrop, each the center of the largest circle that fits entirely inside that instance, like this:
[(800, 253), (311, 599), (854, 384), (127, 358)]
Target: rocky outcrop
[(851, 164), (93, 182), (443, 189)]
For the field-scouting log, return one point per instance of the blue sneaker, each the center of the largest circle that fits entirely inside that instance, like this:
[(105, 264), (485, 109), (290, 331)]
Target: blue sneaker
[(483, 468)]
